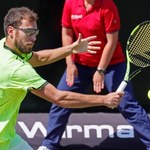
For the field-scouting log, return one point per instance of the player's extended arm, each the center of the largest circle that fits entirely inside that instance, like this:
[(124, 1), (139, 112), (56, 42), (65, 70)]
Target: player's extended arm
[(44, 57), (75, 100)]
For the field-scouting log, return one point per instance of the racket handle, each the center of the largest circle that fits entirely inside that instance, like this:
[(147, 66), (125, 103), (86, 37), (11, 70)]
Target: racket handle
[(122, 86)]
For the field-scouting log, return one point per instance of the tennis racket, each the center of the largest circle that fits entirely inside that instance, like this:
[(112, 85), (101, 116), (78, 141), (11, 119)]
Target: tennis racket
[(137, 52)]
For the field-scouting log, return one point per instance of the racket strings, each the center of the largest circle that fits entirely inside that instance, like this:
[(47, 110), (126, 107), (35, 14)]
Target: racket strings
[(138, 45)]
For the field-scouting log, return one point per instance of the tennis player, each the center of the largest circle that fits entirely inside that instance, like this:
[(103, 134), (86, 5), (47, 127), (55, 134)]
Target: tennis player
[(18, 76)]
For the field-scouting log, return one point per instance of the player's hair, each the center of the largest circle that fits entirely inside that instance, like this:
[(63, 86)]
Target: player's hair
[(16, 15)]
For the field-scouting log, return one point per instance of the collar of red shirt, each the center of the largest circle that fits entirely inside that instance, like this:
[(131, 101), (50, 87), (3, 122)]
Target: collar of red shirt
[(97, 3)]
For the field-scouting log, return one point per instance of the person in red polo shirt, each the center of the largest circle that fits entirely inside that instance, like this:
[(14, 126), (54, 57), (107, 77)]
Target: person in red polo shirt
[(104, 69)]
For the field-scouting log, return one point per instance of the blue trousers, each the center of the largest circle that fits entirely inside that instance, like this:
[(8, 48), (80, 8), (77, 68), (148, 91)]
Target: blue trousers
[(129, 106)]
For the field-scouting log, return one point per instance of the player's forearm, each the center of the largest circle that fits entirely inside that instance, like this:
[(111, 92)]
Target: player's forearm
[(68, 99), (76, 100), (52, 55), (49, 56)]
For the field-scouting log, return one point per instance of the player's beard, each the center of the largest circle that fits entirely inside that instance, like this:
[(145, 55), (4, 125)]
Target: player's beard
[(23, 48)]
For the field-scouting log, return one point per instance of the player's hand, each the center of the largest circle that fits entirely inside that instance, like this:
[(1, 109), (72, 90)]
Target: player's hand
[(93, 46), (86, 44), (113, 99)]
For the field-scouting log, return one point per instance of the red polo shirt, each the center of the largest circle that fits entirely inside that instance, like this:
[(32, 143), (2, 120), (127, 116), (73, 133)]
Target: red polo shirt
[(102, 18)]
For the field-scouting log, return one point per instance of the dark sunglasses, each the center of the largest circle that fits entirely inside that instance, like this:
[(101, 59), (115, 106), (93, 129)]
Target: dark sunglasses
[(29, 31)]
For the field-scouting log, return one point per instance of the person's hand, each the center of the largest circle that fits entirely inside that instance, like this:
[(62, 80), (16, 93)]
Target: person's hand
[(86, 44), (72, 72), (93, 46), (112, 100), (98, 82)]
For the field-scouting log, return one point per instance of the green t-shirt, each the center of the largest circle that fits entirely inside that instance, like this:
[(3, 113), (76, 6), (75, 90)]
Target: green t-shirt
[(17, 76)]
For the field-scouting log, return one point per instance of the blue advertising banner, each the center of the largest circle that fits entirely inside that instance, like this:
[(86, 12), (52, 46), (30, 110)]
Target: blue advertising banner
[(94, 131)]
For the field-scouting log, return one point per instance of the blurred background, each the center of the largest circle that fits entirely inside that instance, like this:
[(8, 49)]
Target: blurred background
[(132, 12)]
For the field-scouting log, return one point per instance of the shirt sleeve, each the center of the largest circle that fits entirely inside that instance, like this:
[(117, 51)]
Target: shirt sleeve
[(66, 16), (111, 17), (27, 78)]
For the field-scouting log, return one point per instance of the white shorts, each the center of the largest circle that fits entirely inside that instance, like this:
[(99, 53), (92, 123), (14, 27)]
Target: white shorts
[(17, 143)]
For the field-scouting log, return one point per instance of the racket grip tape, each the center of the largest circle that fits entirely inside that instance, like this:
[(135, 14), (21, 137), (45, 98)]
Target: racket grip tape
[(122, 86)]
